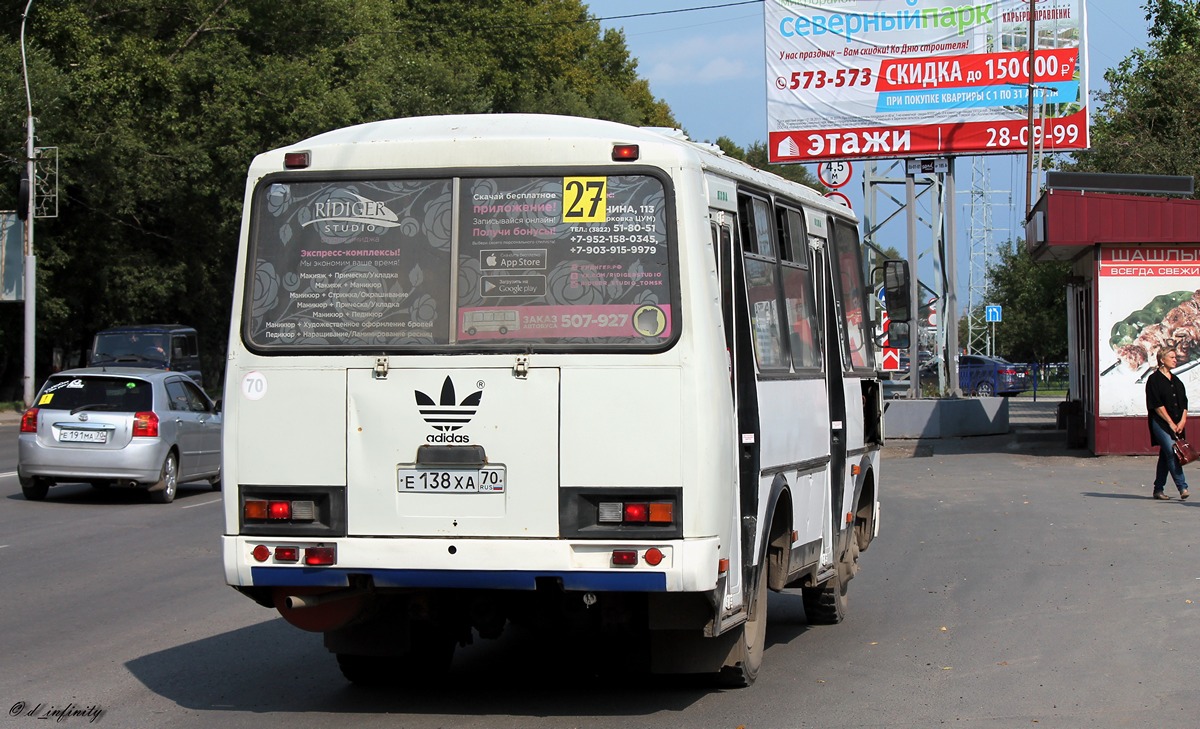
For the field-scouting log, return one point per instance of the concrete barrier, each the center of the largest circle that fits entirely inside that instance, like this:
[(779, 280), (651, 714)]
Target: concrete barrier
[(945, 418)]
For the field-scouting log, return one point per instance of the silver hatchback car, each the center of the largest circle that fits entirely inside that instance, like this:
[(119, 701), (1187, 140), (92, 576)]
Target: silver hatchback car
[(119, 426)]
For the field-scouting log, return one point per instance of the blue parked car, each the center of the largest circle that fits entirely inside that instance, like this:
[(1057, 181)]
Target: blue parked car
[(988, 376)]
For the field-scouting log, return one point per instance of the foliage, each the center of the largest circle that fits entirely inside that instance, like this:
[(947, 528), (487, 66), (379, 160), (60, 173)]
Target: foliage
[(1035, 312), (756, 155), (158, 108), (1148, 121)]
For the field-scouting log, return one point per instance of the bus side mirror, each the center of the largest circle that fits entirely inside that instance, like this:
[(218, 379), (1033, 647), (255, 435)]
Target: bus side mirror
[(897, 289), (898, 293)]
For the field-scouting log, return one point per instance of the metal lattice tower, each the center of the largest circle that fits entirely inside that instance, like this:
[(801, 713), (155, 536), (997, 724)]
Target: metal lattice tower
[(979, 238)]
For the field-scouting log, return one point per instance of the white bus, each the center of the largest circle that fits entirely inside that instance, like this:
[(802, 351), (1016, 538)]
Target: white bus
[(683, 414)]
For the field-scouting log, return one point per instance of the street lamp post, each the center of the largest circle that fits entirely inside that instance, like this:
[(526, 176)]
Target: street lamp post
[(31, 213), (1031, 87)]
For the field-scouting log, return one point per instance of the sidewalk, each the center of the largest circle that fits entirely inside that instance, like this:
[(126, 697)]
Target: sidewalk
[(1024, 411)]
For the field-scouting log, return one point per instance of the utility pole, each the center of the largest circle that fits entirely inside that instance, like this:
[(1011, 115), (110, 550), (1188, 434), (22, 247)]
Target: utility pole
[(1029, 153), (31, 213)]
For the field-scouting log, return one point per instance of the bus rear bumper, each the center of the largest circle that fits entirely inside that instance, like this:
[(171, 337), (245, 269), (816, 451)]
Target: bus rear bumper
[(688, 565)]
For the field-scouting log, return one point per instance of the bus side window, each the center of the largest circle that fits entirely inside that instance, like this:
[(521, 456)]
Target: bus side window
[(754, 215), (762, 285), (798, 299), (852, 293)]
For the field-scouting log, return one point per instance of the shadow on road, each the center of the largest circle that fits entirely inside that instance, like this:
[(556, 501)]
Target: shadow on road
[(82, 493), (274, 667)]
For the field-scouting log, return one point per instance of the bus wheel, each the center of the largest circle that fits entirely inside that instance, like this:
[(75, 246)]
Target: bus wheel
[(428, 659), (430, 653), (367, 670), (826, 603), (751, 642)]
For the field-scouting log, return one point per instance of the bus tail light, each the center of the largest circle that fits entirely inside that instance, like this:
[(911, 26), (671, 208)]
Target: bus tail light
[(662, 512), (299, 510), (320, 556), (642, 513), (625, 153), (296, 160), (629, 557), (292, 511), (624, 557), (637, 513), (659, 513)]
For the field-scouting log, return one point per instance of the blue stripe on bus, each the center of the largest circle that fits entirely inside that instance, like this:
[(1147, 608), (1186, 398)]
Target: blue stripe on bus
[(490, 580)]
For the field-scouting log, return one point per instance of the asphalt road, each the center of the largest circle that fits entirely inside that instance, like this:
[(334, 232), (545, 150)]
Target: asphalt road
[(1013, 584)]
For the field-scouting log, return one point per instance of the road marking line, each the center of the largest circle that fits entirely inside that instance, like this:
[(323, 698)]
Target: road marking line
[(6, 475), (206, 503)]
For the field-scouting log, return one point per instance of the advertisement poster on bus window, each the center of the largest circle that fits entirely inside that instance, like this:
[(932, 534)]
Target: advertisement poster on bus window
[(1149, 298), (545, 260), (885, 79)]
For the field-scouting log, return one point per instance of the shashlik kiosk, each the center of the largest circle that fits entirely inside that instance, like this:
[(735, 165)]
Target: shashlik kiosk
[(1135, 289)]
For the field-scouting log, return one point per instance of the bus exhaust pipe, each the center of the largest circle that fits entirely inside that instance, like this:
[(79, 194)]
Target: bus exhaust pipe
[(296, 602)]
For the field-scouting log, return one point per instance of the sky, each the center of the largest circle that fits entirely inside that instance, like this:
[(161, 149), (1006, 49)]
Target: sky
[(708, 64)]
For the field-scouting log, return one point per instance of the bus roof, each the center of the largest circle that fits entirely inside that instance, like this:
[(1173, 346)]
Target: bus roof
[(518, 131)]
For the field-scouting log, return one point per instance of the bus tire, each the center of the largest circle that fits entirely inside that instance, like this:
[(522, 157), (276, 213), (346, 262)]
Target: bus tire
[(366, 670), (428, 659), (751, 644), (826, 603)]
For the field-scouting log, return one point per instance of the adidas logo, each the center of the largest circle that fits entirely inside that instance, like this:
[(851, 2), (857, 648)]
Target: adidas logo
[(448, 415)]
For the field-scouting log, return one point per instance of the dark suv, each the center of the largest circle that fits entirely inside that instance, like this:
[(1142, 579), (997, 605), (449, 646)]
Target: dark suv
[(172, 347)]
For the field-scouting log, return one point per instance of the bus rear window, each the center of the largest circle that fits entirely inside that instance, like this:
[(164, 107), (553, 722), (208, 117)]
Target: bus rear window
[(464, 262)]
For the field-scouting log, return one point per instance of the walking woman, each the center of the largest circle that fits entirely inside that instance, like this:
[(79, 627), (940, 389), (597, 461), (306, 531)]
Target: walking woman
[(1167, 404)]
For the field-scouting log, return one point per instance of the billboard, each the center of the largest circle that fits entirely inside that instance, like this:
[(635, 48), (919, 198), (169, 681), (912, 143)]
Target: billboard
[(1148, 300), (12, 258), (886, 79)]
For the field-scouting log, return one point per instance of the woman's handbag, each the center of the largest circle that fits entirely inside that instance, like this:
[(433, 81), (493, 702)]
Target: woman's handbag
[(1184, 452)]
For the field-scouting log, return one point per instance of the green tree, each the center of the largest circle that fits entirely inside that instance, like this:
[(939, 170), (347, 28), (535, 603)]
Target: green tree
[(1148, 120), (158, 108), (756, 155), (1035, 309)]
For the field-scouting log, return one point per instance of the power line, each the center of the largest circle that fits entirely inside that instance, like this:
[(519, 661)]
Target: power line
[(682, 10)]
